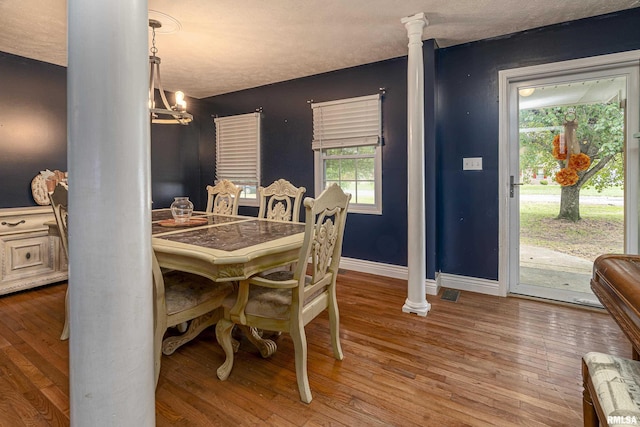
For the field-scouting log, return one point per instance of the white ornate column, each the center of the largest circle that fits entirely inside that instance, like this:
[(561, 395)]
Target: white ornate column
[(416, 301), (111, 364)]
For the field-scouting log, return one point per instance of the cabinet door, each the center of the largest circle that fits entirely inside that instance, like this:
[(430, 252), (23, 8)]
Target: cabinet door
[(25, 255)]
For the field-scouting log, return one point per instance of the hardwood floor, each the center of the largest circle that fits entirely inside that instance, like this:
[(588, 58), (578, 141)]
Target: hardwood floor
[(481, 361)]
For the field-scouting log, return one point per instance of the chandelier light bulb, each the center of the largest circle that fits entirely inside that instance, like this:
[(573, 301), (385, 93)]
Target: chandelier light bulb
[(181, 104)]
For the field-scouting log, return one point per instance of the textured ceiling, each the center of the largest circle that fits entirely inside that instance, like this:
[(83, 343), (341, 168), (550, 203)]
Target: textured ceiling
[(227, 45)]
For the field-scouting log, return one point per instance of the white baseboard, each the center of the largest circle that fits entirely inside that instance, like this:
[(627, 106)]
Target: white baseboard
[(453, 281), (465, 283), (385, 270)]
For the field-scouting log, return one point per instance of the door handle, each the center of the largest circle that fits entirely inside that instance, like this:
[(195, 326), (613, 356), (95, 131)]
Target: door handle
[(512, 185)]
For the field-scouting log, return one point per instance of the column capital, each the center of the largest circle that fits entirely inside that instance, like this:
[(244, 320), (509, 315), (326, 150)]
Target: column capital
[(415, 23)]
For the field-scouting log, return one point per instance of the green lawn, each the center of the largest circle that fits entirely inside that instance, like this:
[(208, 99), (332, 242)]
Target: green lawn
[(555, 189), (533, 211), (600, 230)]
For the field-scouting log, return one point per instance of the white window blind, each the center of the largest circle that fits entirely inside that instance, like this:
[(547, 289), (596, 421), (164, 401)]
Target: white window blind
[(347, 122), (238, 149)]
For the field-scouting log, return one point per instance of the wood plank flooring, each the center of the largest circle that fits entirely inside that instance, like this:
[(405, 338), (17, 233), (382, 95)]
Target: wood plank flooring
[(481, 361)]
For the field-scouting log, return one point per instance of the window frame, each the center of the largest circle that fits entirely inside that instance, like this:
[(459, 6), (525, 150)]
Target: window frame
[(324, 141), (247, 136)]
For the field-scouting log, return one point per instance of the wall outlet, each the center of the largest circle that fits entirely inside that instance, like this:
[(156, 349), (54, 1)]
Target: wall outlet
[(472, 164)]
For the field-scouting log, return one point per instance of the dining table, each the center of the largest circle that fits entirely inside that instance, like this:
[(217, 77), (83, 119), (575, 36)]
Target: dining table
[(221, 248), (224, 247)]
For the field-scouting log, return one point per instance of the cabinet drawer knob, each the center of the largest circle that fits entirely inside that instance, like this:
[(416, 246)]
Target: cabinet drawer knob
[(12, 224), (28, 255)]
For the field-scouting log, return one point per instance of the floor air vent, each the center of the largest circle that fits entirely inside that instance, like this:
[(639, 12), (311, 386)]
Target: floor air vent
[(450, 295)]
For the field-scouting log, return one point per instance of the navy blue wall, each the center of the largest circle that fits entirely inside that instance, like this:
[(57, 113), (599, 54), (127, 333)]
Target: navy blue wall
[(33, 125), (467, 116), (33, 135), (286, 146), (175, 152)]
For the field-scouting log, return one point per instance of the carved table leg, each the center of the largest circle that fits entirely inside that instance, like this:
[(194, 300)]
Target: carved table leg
[(223, 335), (265, 346), (197, 325)]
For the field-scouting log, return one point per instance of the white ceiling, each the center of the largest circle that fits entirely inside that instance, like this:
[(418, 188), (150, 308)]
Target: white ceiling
[(227, 45)]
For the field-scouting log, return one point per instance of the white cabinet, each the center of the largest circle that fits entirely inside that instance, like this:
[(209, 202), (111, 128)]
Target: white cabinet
[(29, 257)]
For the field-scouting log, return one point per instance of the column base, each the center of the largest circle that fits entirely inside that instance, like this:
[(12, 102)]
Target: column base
[(421, 309)]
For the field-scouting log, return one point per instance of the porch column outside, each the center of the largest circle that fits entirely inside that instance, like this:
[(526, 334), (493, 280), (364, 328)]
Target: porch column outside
[(111, 365), (416, 301)]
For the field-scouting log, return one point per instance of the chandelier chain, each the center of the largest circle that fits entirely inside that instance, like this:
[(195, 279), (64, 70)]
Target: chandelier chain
[(153, 49)]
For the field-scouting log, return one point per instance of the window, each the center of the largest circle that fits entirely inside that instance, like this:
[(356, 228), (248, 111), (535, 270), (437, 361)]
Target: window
[(238, 154), (347, 141)]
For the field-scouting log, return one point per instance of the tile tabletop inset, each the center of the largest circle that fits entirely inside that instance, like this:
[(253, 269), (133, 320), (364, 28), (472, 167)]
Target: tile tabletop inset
[(239, 235)]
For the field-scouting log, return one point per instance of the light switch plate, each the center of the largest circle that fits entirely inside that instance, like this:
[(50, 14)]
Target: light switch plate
[(472, 163)]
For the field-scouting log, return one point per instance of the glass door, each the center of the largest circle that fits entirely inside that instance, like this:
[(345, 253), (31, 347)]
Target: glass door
[(569, 163)]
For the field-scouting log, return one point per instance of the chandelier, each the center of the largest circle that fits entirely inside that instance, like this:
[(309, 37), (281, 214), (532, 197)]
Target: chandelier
[(176, 114)]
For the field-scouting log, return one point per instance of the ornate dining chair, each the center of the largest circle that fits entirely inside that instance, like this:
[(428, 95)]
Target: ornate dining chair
[(287, 300), (59, 203), (179, 297), (223, 198), (280, 201), (183, 297)]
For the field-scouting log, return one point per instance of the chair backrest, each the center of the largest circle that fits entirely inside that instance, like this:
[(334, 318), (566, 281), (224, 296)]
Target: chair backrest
[(223, 198), (59, 202), (280, 201), (324, 230)]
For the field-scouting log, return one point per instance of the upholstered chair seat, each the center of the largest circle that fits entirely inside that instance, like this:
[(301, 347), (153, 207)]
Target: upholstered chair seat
[(611, 390), (185, 290), (270, 302)]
